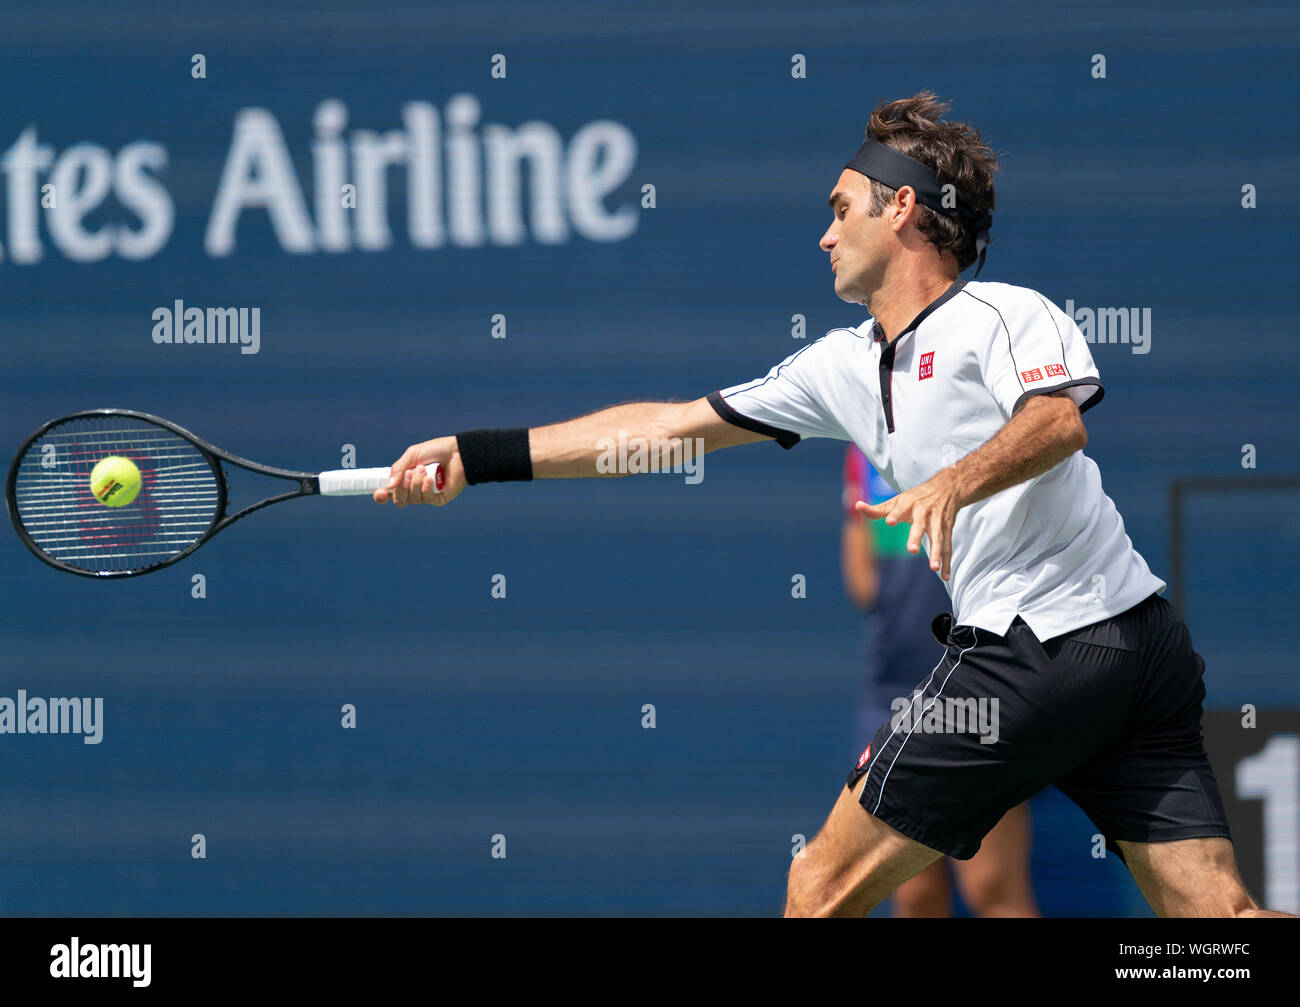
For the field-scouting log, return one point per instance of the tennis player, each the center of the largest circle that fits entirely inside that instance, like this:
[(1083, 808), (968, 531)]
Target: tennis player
[(967, 397)]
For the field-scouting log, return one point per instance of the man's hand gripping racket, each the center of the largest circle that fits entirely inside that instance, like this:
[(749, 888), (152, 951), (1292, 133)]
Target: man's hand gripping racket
[(412, 477)]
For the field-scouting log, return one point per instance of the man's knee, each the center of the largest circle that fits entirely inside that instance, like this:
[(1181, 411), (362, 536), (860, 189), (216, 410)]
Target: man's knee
[(1190, 877), (852, 863), (986, 891), (821, 882), (926, 896), (1225, 900)]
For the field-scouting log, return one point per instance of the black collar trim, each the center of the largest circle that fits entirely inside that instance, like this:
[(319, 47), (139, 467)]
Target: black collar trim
[(928, 310), (887, 350)]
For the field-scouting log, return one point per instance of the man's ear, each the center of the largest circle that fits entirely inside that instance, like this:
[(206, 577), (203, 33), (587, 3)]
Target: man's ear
[(903, 206)]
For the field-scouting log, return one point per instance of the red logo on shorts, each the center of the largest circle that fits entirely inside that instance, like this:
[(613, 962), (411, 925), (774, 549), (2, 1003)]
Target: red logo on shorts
[(862, 759), (1055, 370), (927, 366), (1035, 375)]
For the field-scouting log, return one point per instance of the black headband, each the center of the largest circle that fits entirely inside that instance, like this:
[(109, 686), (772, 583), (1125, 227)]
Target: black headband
[(895, 169)]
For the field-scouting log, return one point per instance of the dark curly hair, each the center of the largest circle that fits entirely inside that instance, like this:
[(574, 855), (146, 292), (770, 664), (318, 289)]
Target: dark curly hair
[(956, 153)]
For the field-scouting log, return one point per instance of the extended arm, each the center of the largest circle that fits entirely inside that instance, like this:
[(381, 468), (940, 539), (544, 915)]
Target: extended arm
[(572, 449), (1046, 430), (569, 450)]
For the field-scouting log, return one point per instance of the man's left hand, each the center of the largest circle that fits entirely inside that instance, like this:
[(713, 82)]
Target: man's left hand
[(931, 509)]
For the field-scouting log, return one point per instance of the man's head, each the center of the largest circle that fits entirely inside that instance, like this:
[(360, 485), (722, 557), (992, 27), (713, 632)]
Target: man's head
[(876, 229)]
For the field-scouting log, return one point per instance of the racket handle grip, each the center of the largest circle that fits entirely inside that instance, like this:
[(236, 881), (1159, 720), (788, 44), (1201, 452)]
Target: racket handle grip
[(356, 482)]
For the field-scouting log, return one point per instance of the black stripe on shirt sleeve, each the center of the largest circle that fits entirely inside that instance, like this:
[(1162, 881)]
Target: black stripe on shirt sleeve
[(787, 439), (1088, 403)]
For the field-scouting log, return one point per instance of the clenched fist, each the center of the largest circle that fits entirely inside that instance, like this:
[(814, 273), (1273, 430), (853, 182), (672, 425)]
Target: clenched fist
[(412, 475)]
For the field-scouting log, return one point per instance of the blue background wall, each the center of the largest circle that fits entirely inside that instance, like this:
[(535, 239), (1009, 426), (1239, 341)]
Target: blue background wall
[(522, 716)]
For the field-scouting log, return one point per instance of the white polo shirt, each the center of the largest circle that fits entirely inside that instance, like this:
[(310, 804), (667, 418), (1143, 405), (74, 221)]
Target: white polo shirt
[(1052, 550)]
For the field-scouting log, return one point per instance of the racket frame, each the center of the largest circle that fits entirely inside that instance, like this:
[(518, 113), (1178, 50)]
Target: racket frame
[(308, 485)]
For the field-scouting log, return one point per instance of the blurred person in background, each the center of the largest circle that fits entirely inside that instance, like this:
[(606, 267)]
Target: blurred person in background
[(901, 596)]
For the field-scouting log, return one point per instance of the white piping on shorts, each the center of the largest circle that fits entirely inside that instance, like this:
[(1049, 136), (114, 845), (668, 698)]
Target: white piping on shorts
[(881, 795)]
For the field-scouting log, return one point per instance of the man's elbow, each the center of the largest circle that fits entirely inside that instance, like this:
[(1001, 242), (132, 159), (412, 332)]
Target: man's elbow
[(1066, 422), (1076, 434)]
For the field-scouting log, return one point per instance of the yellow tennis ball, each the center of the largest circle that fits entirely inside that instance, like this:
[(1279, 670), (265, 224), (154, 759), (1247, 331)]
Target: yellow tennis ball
[(115, 481)]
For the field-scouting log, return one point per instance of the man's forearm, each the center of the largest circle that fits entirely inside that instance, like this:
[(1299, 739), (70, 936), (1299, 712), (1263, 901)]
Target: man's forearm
[(569, 450), (572, 449), (1045, 431), (586, 447)]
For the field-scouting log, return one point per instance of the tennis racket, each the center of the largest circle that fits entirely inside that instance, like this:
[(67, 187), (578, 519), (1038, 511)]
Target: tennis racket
[(180, 504)]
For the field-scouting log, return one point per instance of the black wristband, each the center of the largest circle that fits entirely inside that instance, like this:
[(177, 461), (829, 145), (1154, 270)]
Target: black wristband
[(495, 456)]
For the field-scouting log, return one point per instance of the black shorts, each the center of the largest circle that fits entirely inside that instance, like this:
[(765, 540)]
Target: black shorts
[(1110, 713)]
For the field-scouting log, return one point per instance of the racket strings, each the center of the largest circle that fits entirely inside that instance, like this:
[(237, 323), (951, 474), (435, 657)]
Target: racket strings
[(177, 502)]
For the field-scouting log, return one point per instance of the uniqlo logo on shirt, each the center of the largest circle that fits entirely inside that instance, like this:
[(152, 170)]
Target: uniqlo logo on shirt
[(1055, 370), (1035, 375), (927, 366)]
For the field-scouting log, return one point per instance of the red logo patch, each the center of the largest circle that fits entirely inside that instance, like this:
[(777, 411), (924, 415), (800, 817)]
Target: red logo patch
[(927, 366), (862, 759), (1055, 370), (1035, 375)]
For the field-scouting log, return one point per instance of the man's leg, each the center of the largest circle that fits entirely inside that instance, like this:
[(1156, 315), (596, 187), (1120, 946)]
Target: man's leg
[(1190, 877), (995, 882), (1152, 793), (928, 895), (853, 863), (937, 779)]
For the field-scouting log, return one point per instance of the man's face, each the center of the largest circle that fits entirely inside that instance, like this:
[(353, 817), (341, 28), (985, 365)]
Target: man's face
[(855, 241)]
